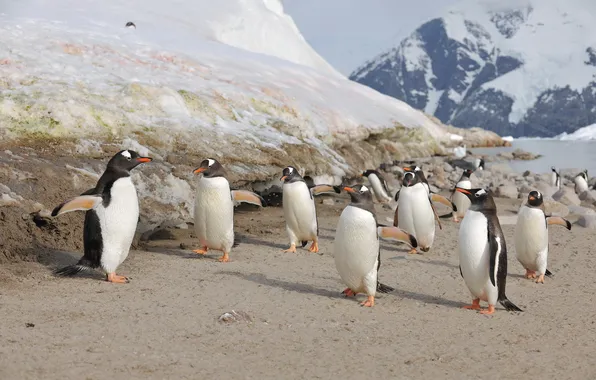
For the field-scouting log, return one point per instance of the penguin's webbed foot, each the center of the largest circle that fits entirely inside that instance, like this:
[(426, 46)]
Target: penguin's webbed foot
[(540, 279), (113, 277), (370, 302), (474, 306), (201, 251), (530, 273), (292, 249), (412, 251), (490, 310), (349, 292), (314, 247), (456, 219), (225, 258)]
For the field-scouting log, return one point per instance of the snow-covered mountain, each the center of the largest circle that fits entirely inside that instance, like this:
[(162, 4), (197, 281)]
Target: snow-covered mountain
[(516, 67)]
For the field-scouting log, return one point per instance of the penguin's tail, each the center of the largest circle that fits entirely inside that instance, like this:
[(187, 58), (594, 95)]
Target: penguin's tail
[(72, 270), (548, 273), (508, 305), (384, 288), (446, 216), (304, 243)]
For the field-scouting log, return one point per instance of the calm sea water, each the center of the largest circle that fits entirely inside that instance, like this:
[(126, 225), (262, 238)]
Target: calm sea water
[(561, 154)]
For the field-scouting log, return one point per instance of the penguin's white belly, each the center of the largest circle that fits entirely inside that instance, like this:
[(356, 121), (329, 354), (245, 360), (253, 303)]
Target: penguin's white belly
[(214, 214), (474, 256), (531, 239), (299, 212), (356, 250), (553, 179), (461, 202), (118, 223), (378, 188), (580, 184), (415, 214)]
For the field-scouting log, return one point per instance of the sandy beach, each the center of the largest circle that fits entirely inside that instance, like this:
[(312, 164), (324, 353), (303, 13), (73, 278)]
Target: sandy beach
[(165, 323)]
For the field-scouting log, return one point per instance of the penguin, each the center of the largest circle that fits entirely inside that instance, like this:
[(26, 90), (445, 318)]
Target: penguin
[(475, 164), (483, 252), (555, 179), (130, 25), (299, 209), (378, 184), (433, 196), (415, 212), (214, 208), (581, 182), (531, 236), (356, 247), (461, 202), (111, 217)]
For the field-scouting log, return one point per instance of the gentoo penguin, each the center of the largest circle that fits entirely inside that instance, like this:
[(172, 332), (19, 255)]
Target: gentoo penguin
[(356, 247), (214, 208), (555, 179), (461, 202), (130, 25), (475, 164), (415, 212), (112, 214), (433, 197), (483, 252), (581, 182), (378, 184), (531, 236), (299, 210)]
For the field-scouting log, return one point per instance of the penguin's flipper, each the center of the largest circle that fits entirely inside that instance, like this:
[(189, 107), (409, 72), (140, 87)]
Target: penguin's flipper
[(441, 199), (324, 189), (495, 250), (396, 196), (245, 196), (80, 203), (558, 220), (397, 234)]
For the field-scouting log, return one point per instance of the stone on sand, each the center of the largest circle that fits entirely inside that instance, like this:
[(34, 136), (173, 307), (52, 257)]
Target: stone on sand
[(587, 221), (567, 196), (507, 191)]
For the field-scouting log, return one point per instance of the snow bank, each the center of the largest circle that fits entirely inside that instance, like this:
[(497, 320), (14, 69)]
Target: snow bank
[(585, 133)]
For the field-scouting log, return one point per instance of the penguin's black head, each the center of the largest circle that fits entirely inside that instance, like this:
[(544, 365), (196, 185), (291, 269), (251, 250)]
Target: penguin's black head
[(467, 173), (535, 198), (553, 169), (290, 174), (359, 193), (480, 163), (130, 24), (368, 172), (127, 160), (210, 168), (480, 199), (410, 179)]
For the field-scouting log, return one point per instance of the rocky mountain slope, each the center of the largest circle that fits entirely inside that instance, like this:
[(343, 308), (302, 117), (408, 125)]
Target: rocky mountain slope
[(516, 67)]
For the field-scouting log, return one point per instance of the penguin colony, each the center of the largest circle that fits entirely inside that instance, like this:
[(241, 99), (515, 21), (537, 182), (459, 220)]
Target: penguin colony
[(112, 213)]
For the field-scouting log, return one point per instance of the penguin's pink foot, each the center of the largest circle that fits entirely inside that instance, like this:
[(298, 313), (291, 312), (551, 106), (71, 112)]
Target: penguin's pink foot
[(314, 247), (201, 251), (530, 273), (455, 219), (474, 306), (225, 258), (292, 249), (540, 279), (490, 310), (370, 302), (113, 277), (349, 292), (412, 251)]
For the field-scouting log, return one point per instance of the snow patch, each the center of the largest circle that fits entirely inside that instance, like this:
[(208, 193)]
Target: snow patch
[(585, 133)]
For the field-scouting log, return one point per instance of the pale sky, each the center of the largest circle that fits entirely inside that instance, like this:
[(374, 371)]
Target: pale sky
[(349, 32)]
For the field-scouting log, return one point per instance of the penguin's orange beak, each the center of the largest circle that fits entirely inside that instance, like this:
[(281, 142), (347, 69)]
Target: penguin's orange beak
[(462, 190), (531, 197), (283, 178), (144, 159), (349, 189), (199, 170), (407, 169)]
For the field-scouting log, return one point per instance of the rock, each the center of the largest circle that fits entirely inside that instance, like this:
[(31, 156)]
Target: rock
[(506, 155), (588, 195), (434, 188), (525, 190), (567, 196), (328, 201), (503, 168), (235, 316), (519, 154), (447, 167), (587, 221), (545, 188), (527, 173), (579, 210), (507, 191), (182, 226), (555, 208)]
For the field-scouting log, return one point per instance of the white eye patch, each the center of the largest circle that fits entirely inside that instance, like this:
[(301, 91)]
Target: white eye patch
[(126, 154), (363, 188), (210, 162), (417, 169), (480, 192), (290, 169)]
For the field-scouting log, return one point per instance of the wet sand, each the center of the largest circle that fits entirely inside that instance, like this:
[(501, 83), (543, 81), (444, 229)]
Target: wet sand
[(164, 323)]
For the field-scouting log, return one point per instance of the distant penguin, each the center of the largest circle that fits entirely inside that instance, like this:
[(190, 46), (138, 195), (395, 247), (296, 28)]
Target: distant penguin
[(415, 212), (433, 196), (555, 179), (461, 201), (112, 214), (214, 208), (130, 25), (299, 210), (581, 182), (531, 236), (483, 252), (378, 184), (357, 251), (474, 165)]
